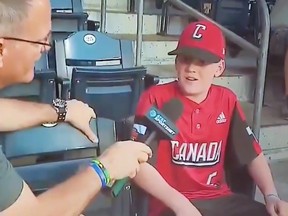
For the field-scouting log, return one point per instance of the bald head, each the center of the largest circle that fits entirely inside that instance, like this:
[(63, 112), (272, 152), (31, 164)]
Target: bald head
[(22, 23), (12, 13)]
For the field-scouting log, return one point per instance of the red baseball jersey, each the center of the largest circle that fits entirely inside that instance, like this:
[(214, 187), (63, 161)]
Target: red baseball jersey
[(193, 163)]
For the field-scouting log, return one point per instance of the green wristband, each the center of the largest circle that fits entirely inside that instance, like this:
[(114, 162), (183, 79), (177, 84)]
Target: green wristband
[(105, 171)]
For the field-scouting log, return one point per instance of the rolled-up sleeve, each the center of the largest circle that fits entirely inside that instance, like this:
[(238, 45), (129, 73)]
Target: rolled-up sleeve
[(11, 184)]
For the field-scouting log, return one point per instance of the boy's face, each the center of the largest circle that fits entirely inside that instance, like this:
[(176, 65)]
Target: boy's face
[(196, 76)]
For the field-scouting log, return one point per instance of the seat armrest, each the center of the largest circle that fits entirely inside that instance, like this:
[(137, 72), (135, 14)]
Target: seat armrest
[(151, 80), (64, 86), (93, 25)]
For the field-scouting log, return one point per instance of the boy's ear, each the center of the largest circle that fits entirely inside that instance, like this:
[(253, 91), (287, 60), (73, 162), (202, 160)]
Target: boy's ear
[(221, 68)]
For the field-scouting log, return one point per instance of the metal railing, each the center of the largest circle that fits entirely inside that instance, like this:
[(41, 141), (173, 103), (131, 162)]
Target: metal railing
[(262, 64), (103, 16), (139, 27), (139, 33), (261, 53)]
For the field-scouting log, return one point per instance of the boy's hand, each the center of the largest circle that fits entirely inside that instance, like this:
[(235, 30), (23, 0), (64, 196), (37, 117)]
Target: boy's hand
[(276, 207)]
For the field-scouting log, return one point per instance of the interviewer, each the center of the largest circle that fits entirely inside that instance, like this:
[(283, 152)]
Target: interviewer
[(25, 29)]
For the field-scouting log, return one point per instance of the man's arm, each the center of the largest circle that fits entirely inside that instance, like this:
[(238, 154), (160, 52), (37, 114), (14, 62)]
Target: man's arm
[(149, 179), (16, 114), (71, 197), (68, 199), (19, 200)]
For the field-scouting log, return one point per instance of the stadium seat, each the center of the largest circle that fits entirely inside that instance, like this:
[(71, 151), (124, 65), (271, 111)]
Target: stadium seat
[(113, 93), (67, 17), (228, 13), (102, 73)]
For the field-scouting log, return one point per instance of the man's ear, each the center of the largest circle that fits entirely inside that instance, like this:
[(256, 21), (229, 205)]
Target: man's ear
[(221, 68), (1, 51)]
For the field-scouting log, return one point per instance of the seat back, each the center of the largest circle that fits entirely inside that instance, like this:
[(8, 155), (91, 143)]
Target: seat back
[(93, 50), (41, 89), (63, 138), (102, 72), (233, 14), (68, 16), (46, 140), (113, 93), (67, 6)]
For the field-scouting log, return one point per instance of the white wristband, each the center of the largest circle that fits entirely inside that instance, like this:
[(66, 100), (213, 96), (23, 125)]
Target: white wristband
[(273, 196)]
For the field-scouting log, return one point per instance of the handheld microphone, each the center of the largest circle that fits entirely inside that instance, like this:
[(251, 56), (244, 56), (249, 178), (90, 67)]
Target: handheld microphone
[(154, 123)]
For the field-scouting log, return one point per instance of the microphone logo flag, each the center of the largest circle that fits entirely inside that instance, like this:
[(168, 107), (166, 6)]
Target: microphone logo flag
[(138, 129), (162, 121)]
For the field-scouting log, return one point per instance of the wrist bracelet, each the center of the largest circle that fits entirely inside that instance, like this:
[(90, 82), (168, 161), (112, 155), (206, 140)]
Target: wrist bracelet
[(100, 173), (272, 195), (104, 171)]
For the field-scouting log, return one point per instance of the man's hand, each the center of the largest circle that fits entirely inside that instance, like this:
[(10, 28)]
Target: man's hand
[(275, 206), (79, 116), (122, 159)]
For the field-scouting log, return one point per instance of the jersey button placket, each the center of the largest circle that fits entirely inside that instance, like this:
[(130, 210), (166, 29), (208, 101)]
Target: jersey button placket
[(196, 121)]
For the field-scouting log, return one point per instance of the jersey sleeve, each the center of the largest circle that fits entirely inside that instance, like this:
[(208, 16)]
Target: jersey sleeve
[(145, 102), (11, 184), (242, 147), (148, 99)]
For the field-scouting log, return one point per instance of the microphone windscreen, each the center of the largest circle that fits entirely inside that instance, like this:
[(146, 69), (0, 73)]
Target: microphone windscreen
[(173, 109)]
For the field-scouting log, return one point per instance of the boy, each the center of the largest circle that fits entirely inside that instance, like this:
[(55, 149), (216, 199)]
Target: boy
[(189, 180)]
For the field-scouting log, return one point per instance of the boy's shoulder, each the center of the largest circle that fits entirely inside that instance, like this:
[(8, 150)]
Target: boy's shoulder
[(162, 90), (223, 93), (163, 87)]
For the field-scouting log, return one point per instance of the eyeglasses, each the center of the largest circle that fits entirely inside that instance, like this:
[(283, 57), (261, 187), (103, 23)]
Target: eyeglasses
[(29, 41)]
